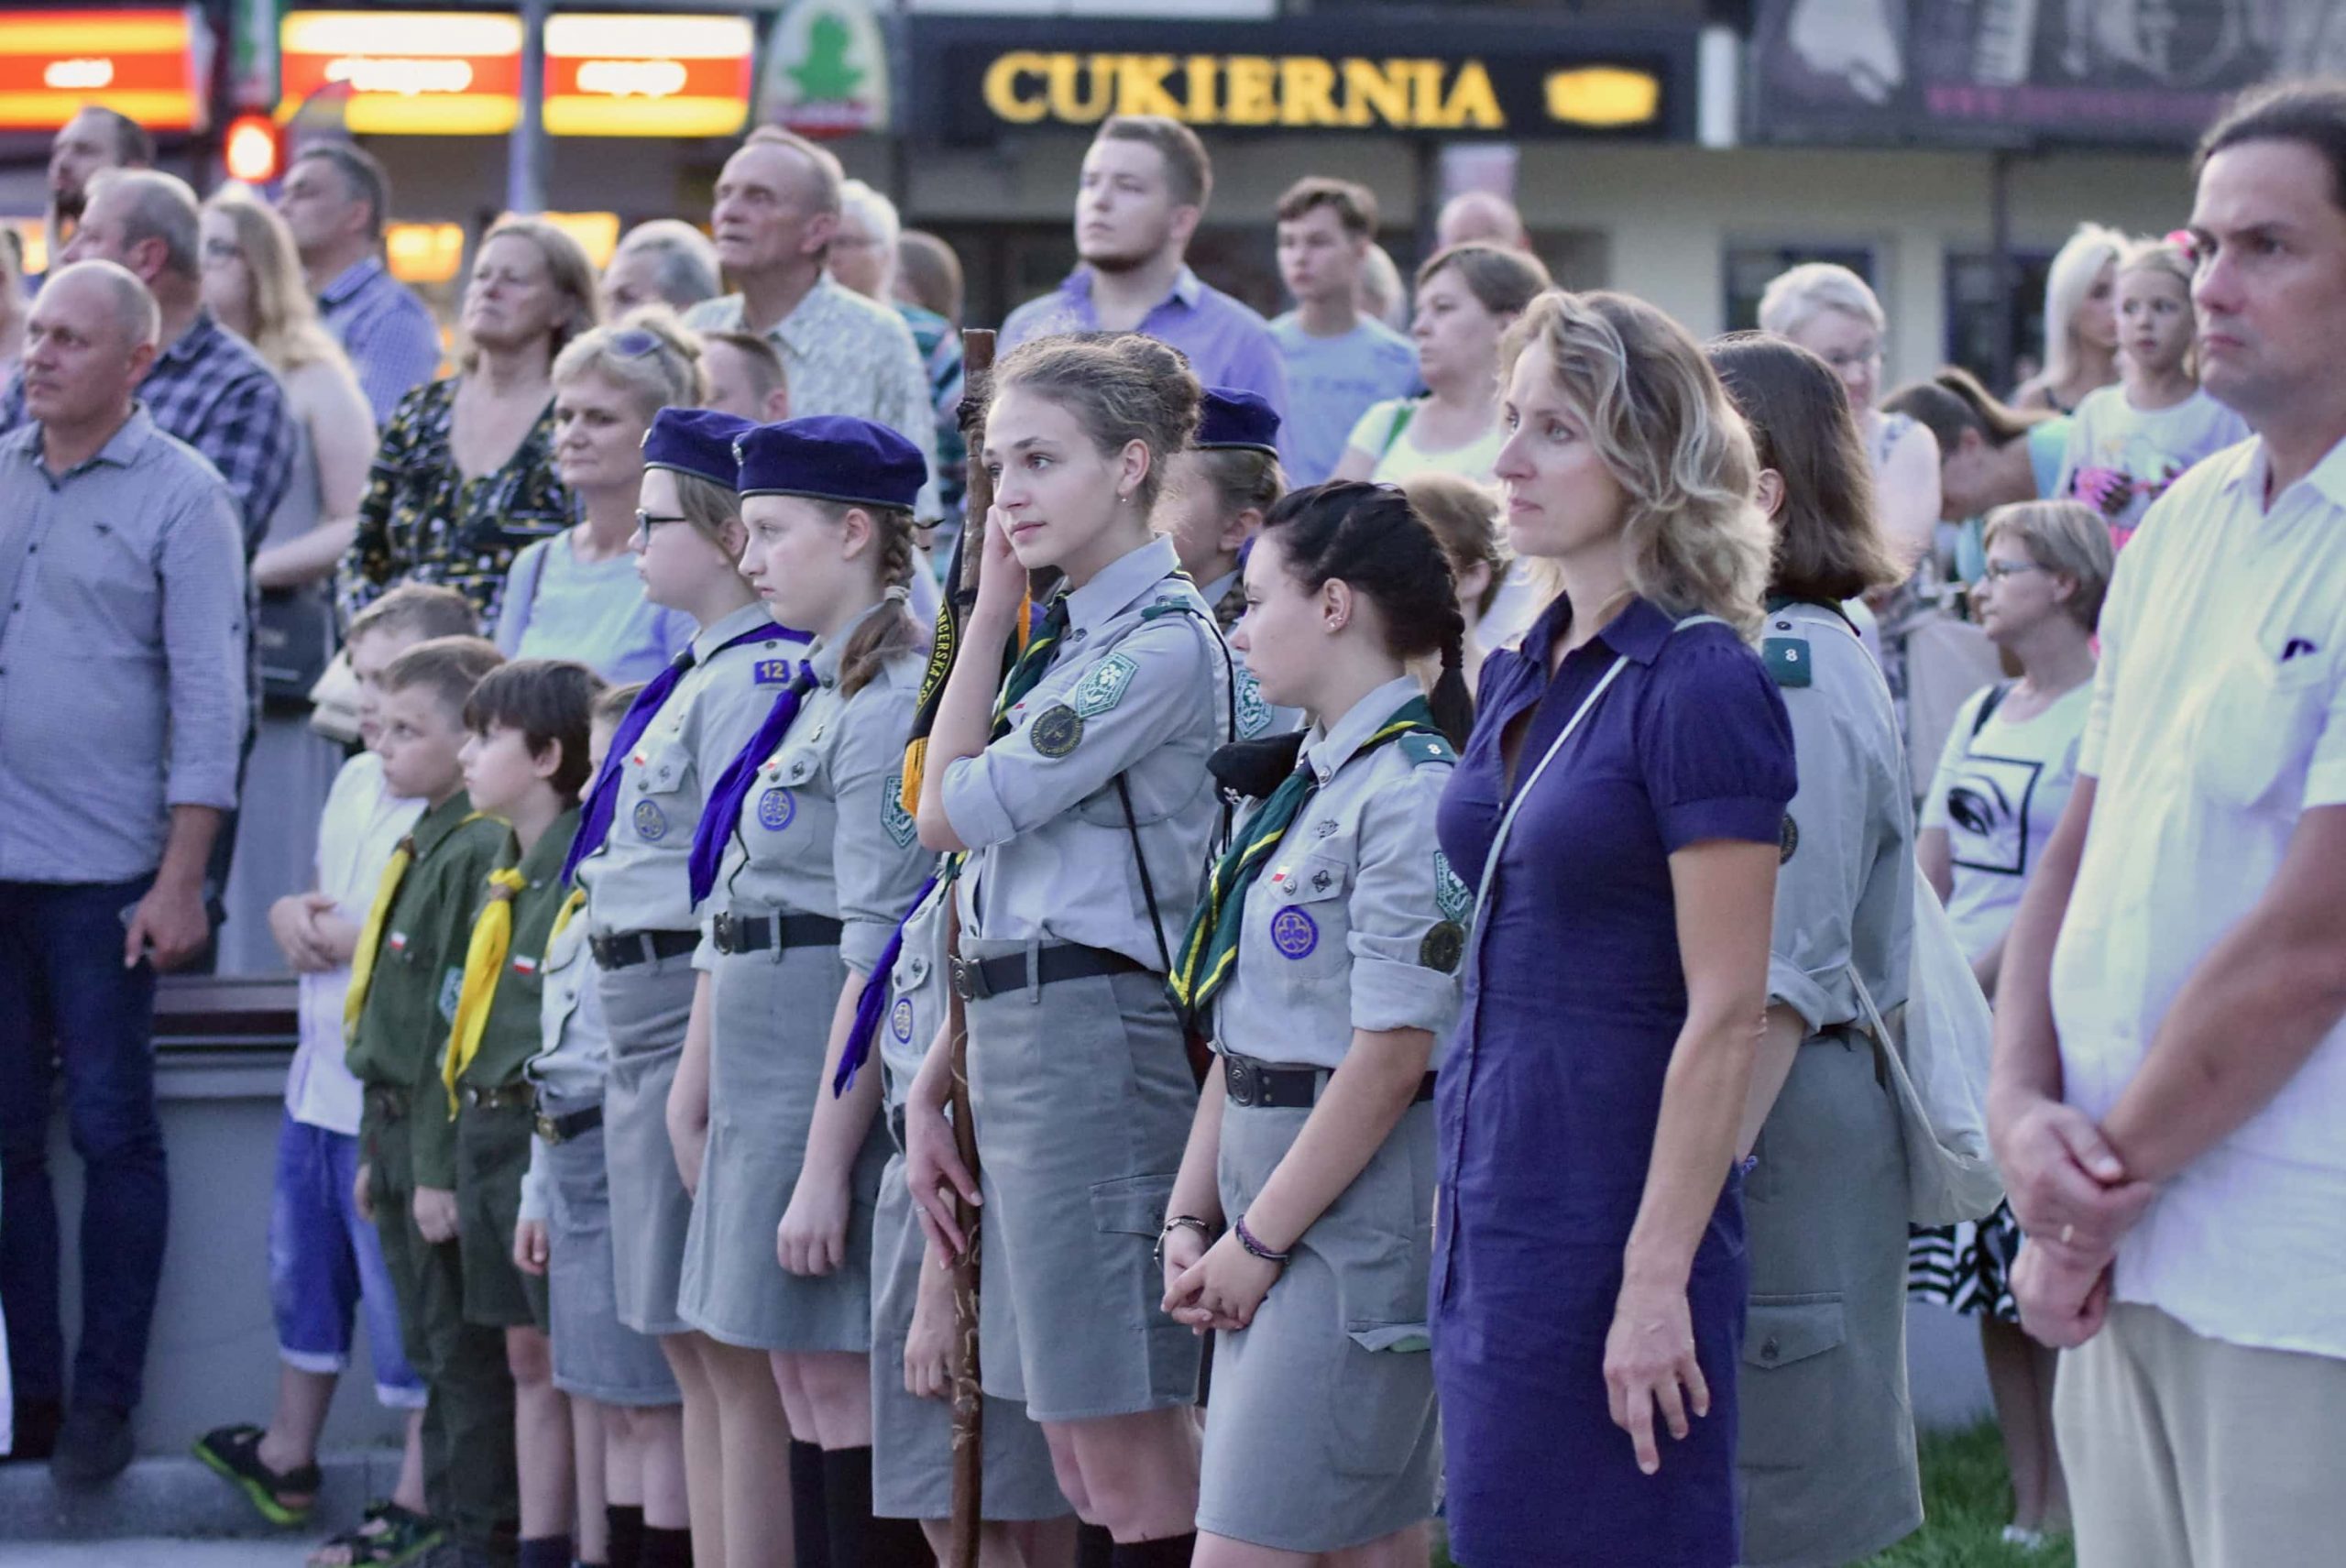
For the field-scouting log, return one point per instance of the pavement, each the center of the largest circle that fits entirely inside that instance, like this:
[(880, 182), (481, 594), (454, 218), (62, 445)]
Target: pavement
[(155, 1552)]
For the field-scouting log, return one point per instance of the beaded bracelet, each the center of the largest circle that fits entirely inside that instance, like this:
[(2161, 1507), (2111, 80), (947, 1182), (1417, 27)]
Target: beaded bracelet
[(1182, 1223), (1254, 1249)]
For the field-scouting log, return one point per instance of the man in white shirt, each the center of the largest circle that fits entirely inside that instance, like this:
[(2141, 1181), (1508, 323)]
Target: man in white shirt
[(2169, 1098)]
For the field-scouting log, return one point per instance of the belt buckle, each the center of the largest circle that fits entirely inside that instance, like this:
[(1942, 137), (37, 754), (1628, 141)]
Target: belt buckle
[(547, 1129), (1240, 1078), (969, 978), (604, 949), (723, 930)]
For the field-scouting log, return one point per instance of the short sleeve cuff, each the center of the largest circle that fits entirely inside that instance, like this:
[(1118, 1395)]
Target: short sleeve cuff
[(706, 955), (972, 807), (2325, 782), (534, 1205), (191, 787), (1793, 988), (1751, 819), (861, 943), (1387, 995)]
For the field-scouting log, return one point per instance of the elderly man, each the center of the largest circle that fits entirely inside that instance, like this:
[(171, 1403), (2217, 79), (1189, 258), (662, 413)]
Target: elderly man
[(2170, 1077), (664, 262), (206, 387), (121, 704), (777, 210), (95, 139), (336, 199)]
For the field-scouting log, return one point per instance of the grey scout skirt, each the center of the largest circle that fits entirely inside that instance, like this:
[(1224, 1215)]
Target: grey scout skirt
[(912, 1438), (1321, 1434), (1084, 1097), (595, 1357), (645, 1008), (1824, 1218), (771, 1027)]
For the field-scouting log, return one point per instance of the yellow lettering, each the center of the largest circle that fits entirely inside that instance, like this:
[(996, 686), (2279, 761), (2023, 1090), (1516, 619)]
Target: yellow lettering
[(1066, 73), (1425, 92), (1306, 92), (1140, 86), (1250, 99), (1382, 90), (1204, 72), (1473, 101), (1001, 87)]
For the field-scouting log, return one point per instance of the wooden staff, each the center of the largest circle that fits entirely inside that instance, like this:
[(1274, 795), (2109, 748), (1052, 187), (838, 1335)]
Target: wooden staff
[(969, 1398)]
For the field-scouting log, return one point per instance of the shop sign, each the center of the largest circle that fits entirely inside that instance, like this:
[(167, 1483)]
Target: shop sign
[(405, 72), (1478, 81), (827, 70), (647, 76), (145, 64)]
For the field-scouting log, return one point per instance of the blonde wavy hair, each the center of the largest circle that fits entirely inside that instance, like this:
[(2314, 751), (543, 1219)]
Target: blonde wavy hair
[(1655, 411), (647, 354), (286, 329)]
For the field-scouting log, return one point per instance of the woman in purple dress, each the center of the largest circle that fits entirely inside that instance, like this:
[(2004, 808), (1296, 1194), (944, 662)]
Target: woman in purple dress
[(1620, 810)]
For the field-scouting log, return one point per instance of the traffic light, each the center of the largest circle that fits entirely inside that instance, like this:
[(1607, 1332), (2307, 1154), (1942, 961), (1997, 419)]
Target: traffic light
[(252, 149)]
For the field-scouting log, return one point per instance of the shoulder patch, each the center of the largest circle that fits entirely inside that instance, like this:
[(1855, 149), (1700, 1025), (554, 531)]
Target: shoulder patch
[(1451, 895), (893, 815), (1788, 659), (1253, 715), (1443, 946), (1421, 747), (1103, 686), (451, 991), (1056, 732)]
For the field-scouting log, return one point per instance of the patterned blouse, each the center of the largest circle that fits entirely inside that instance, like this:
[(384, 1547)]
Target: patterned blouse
[(422, 522)]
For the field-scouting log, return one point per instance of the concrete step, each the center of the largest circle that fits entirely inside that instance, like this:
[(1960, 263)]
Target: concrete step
[(181, 1497)]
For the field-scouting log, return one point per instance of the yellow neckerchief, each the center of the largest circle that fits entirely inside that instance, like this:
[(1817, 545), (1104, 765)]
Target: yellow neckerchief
[(484, 961), (371, 936)]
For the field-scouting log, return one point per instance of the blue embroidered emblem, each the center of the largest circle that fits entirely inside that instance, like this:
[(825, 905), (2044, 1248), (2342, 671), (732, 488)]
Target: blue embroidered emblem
[(899, 1020), (651, 822), (775, 809), (1294, 934)]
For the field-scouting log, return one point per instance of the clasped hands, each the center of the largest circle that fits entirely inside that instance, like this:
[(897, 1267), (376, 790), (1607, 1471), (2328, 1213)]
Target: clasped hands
[(2074, 1200)]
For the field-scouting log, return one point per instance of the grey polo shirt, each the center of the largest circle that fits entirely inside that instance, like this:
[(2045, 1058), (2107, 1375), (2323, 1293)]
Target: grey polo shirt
[(122, 652)]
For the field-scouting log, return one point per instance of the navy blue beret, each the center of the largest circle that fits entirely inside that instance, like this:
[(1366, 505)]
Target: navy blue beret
[(831, 457), (1230, 420), (698, 442)]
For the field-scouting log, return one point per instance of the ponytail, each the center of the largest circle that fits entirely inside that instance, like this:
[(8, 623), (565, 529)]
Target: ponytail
[(1452, 704), (890, 629)]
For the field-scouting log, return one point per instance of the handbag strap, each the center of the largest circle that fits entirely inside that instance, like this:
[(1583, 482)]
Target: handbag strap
[(1147, 883)]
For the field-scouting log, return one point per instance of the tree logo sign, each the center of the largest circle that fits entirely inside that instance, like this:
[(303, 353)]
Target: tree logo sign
[(827, 70)]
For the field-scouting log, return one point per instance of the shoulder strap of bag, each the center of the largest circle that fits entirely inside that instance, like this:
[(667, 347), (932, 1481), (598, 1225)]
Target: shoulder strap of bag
[(1147, 883), (1987, 706), (1401, 417)]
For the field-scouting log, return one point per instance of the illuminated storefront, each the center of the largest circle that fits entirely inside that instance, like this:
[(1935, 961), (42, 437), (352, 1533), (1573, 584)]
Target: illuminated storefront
[(147, 64)]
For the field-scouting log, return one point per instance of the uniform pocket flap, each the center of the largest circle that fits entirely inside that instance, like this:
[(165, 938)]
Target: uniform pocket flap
[(1133, 1205), (1404, 1338), (1778, 1333)]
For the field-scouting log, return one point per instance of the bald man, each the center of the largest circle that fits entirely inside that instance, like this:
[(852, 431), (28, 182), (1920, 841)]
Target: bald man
[(1481, 215), (122, 712)]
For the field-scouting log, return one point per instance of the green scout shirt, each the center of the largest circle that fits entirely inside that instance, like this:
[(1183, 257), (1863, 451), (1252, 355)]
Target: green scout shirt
[(514, 1031), (420, 970)]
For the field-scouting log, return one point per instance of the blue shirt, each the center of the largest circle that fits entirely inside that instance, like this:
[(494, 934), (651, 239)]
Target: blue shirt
[(1227, 345), (1330, 383), (388, 334), (556, 608)]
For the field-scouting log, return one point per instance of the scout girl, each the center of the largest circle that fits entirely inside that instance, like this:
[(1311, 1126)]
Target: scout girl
[(1326, 954), (806, 856), (630, 855), (1216, 494), (1081, 796)]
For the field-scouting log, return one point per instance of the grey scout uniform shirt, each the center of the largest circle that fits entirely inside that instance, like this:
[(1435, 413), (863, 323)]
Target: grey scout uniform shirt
[(1355, 922), (636, 880), (1139, 687), (1255, 717), (573, 1049), (824, 829), (1845, 889), (916, 993)]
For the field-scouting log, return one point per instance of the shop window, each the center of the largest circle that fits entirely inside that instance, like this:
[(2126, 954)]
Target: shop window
[(1973, 318), (1750, 269)]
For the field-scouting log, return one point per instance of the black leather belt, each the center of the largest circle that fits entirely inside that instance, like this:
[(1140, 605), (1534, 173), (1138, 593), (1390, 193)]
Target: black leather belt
[(1246, 1082), (505, 1097), (756, 933), (390, 1103), (562, 1129), (1065, 960), (623, 950)]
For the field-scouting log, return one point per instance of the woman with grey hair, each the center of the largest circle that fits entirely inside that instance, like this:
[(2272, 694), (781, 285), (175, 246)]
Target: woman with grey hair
[(664, 262)]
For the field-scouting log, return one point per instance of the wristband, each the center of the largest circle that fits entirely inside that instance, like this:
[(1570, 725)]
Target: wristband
[(1181, 1223), (1254, 1249)]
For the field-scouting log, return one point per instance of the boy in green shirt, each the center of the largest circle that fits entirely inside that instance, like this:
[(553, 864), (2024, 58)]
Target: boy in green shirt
[(405, 977), (526, 761)]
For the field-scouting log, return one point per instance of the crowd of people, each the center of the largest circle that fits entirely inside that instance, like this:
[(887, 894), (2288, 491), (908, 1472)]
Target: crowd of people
[(1418, 837)]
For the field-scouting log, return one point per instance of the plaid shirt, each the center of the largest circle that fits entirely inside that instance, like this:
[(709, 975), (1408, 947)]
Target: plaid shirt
[(393, 341), (210, 389)]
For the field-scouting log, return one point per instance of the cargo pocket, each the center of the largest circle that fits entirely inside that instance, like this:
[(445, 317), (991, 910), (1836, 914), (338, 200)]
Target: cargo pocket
[(1378, 1240), (1787, 1377)]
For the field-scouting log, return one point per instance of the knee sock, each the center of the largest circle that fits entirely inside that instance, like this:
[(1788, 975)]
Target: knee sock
[(625, 1523), (546, 1552), (1173, 1551), (1094, 1547), (810, 1525), (858, 1540), (666, 1547)]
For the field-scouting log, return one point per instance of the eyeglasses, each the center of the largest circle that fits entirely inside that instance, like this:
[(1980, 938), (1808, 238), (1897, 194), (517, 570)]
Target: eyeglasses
[(645, 521), (634, 344), (1996, 571)]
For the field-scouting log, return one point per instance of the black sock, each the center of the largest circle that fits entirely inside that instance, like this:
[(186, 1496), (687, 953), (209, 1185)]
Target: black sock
[(666, 1547), (546, 1552), (1094, 1547), (810, 1523), (625, 1523), (1173, 1551), (858, 1540)]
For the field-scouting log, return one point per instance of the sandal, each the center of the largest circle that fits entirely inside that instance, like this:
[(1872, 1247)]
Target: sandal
[(392, 1535), (235, 1452)]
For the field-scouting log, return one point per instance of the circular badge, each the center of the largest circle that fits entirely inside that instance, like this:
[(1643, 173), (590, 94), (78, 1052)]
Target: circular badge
[(775, 808), (1443, 946), (899, 1020), (1294, 934), (1787, 839), (651, 822), (1057, 730)]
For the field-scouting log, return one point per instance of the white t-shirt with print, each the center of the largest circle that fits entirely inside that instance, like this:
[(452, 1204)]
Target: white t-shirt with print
[(2145, 449), (1999, 795)]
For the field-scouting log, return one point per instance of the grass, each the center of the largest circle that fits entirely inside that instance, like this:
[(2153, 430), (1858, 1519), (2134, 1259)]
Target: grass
[(1967, 1502)]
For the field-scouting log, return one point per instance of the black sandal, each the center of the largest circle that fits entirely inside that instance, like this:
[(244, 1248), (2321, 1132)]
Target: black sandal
[(391, 1536), (235, 1452)]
